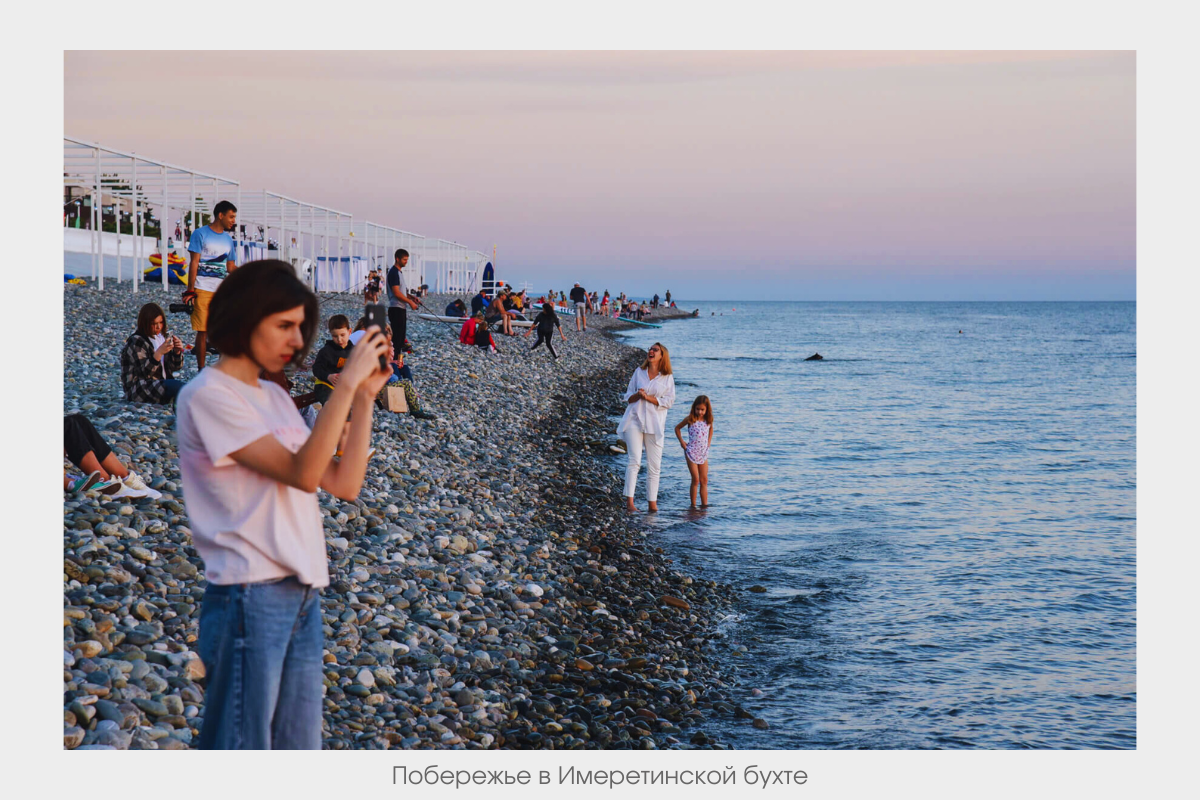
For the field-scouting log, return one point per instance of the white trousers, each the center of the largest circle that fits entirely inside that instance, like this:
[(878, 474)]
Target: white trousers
[(634, 440)]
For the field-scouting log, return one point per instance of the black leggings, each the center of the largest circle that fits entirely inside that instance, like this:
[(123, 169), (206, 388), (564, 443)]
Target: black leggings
[(548, 338), (398, 317), (80, 438)]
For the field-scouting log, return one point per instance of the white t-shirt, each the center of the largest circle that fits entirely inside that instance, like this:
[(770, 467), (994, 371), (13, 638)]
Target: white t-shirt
[(246, 526), (156, 341), (643, 415)]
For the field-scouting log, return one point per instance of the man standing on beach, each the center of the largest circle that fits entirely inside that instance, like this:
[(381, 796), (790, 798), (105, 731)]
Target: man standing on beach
[(579, 298), (212, 258), (398, 302), (668, 297)]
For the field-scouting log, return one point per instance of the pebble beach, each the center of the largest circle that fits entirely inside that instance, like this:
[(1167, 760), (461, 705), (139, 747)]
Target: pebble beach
[(482, 596)]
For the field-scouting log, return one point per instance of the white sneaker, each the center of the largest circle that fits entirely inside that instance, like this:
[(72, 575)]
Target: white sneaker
[(134, 486)]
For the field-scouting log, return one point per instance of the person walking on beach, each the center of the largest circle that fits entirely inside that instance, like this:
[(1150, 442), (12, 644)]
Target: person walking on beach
[(212, 259), (251, 469), (545, 322), (650, 394), (399, 301), (699, 422), (579, 298)]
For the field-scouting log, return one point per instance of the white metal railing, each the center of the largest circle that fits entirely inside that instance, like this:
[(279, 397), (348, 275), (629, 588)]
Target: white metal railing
[(305, 234)]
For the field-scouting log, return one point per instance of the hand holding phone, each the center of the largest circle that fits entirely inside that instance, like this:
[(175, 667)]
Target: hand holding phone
[(377, 315)]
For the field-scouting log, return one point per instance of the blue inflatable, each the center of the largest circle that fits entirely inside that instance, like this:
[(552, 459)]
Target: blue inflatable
[(175, 276)]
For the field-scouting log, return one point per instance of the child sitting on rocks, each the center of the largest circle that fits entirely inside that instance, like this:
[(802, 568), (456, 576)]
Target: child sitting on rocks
[(102, 470), (483, 337), (331, 358)]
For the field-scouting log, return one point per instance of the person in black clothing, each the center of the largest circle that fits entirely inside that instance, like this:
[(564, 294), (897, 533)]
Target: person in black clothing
[(331, 358), (483, 337), (545, 322), (457, 308), (579, 298), (399, 300)]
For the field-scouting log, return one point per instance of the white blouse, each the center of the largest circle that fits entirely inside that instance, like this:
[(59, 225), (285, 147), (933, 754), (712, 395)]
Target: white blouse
[(645, 416), (156, 341)]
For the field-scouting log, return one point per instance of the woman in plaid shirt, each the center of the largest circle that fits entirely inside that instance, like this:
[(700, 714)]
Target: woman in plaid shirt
[(150, 359)]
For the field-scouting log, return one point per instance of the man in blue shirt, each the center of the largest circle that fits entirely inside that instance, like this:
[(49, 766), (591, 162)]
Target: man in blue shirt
[(478, 303), (212, 258)]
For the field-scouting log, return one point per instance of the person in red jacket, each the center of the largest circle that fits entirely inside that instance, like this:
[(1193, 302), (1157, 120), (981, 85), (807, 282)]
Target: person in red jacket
[(467, 334)]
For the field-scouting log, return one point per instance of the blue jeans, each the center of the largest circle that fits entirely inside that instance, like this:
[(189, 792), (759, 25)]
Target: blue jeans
[(172, 385), (261, 646)]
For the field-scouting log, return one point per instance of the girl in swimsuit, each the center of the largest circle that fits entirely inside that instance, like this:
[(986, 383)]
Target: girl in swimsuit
[(699, 422)]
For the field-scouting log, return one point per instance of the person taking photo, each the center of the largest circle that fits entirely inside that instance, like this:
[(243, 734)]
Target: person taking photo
[(251, 469)]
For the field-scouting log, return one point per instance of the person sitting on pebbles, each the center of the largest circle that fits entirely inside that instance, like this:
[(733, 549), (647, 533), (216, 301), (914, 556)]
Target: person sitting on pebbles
[(403, 376), (150, 359), (467, 334), (401, 373), (102, 470), (327, 367), (483, 336), (498, 313)]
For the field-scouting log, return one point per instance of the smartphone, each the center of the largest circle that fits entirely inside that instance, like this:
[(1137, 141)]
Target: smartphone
[(377, 315)]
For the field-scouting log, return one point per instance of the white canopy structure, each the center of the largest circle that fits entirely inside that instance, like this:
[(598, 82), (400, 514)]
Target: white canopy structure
[(318, 241), (144, 183), (328, 249), (381, 242), (454, 267)]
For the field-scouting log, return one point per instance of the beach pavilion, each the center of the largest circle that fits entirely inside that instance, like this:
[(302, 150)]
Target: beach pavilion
[(93, 173), (329, 250)]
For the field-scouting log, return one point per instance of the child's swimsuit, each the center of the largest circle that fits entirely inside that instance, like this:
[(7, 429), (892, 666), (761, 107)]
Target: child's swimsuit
[(697, 447)]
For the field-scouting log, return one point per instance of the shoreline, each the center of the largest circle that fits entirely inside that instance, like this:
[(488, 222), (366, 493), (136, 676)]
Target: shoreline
[(479, 597)]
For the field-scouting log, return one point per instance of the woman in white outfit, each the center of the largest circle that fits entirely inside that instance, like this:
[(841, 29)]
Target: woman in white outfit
[(651, 392)]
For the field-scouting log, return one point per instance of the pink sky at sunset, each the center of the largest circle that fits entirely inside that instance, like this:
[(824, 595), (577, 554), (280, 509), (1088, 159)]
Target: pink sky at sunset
[(773, 175)]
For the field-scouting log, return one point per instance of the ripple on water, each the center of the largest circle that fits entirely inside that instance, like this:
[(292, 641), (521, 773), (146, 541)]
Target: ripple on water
[(944, 525)]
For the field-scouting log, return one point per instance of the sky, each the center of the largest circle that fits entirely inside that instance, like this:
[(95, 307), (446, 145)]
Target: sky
[(740, 175)]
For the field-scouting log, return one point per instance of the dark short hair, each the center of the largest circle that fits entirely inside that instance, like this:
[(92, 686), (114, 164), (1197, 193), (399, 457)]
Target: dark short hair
[(338, 321), (146, 317), (401, 253), (250, 294), (222, 207)]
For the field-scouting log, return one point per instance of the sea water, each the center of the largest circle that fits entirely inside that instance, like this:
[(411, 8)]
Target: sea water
[(942, 513)]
